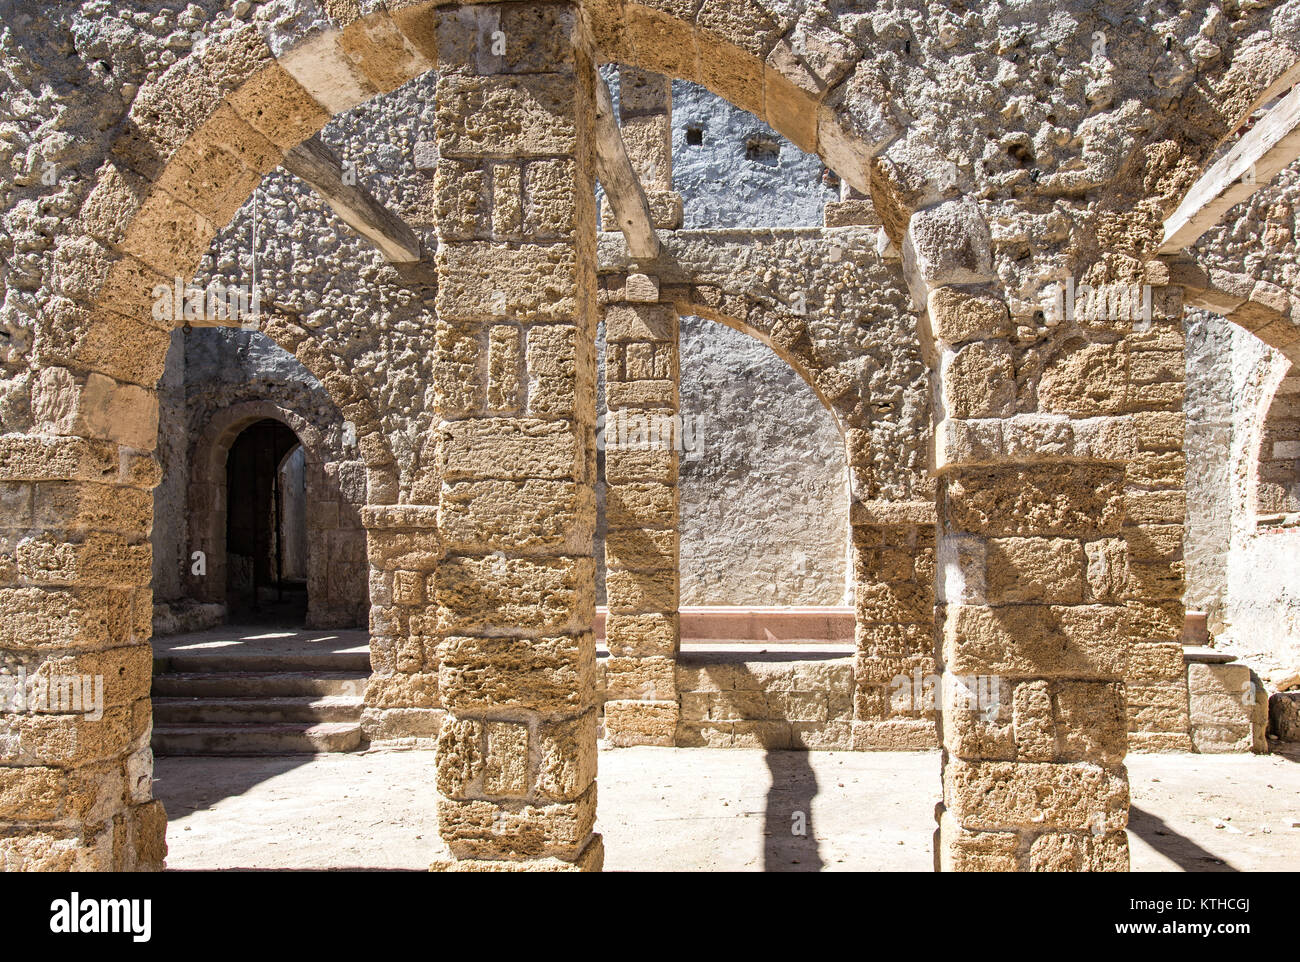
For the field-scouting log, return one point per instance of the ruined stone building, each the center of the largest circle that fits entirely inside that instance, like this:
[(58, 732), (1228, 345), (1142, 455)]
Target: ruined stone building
[(936, 357)]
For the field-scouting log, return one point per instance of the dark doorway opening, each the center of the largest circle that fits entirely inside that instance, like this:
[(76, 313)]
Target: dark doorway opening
[(266, 525)]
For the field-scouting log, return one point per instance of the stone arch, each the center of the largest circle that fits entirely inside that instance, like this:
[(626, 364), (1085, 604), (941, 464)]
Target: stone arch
[(1274, 479), (207, 499), (1264, 309)]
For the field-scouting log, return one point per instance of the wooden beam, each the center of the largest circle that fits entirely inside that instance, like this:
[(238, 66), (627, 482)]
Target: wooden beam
[(313, 162), (622, 186), (1271, 144)]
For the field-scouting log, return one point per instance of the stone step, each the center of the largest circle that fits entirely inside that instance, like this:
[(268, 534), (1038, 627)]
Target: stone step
[(214, 711), (260, 739), (334, 661), (275, 684)]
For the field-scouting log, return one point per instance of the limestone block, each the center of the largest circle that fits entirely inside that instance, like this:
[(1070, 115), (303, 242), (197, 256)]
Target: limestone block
[(641, 504), (561, 366), (116, 346), (529, 517), (506, 116), (567, 757), (552, 208), (540, 595), (101, 560), (481, 281), (872, 670), (482, 829), (900, 602), (278, 107), (511, 448), (961, 850), (641, 722), (720, 677), (1160, 430), (767, 734), (950, 244), (1079, 852), (96, 406), (91, 507), (640, 322), (460, 757), (1228, 708), (1080, 641), (1045, 570), (641, 551), (1089, 381), (664, 44), (623, 464), (411, 550), (631, 592), (1077, 500), (1090, 722), (1157, 706), (506, 763), (1107, 569), (979, 381), (1033, 726), (642, 635), (648, 679), (219, 166), (1284, 716), (402, 690), (555, 674), (737, 705), (1000, 795), (895, 734), (822, 736), (958, 315), (1156, 620)]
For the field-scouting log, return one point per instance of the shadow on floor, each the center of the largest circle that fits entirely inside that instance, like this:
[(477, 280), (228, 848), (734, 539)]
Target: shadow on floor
[(1180, 849), (790, 837), (185, 787)]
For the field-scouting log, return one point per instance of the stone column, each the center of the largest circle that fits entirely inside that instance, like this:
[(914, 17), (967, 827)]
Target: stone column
[(895, 674), (75, 622), (515, 392), (642, 429), (645, 110), (402, 705), (1149, 574), (1032, 447)]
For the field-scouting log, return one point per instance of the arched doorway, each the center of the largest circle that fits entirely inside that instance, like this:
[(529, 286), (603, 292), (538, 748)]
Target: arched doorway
[(266, 532)]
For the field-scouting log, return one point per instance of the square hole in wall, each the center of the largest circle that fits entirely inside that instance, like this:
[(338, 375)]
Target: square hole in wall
[(763, 150), (694, 135)]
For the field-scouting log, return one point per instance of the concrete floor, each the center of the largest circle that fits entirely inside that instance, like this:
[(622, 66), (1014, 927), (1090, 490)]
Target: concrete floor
[(706, 810)]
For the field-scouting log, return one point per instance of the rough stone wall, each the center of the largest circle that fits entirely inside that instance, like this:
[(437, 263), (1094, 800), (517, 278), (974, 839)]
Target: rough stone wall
[(764, 506)]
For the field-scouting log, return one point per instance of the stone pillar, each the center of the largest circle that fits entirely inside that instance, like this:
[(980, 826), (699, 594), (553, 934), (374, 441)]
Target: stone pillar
[(1151, 570), (515, 394), (645, 110), (402, 705), (895, 700), (1033, 440), (75, 621), (642, 429)]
